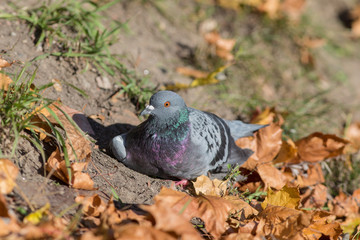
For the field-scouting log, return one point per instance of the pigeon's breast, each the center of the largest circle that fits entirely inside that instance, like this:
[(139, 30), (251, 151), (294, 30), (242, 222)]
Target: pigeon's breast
[(169, 148)]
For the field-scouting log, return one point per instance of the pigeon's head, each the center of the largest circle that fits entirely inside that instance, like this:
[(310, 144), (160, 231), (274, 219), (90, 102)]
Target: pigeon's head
[(164, 105)]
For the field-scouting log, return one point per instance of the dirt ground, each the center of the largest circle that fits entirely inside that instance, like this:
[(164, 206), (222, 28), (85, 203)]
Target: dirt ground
[(156, 43)]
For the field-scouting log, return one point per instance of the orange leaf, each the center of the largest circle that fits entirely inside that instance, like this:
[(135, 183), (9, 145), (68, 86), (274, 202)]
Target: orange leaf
[(314, 197), (8, 223), (322, 225), (113, 216), (56, 164), (206, 186), (282, 222), (293, 8), (92, 206), (8, 174), (214, 211), (343, 205), (135, 232), (4, 81), (265, 144), (82, 181), (317, 146), (191, 72), (287, 152), (271, 8), (312, 176), (352, 133), (169, 221), (4, 63)]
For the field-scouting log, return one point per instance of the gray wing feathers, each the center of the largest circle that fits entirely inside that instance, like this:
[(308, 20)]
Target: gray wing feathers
[(238, 129), (209, 136)]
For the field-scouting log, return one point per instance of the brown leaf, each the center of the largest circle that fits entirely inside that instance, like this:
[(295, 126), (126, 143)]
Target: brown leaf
[(57, 84), (313, 176), (214, 211), (191, 72), (135, 232), (92, 206), (223, 46), (314, 197), (170, 221), (4, 63), (288, 151), (352, 133), (8, 223), (343, 205), (82, 180), (112, 217), (293, 9), (266, 144), (282, 222), (317, 147), (8, 174), (264, 117), (57, 165), (271, 8), (322, 225), (5, 81), (206, 186)]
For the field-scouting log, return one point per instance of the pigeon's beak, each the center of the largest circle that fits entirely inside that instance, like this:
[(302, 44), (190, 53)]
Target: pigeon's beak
[(147, 110)]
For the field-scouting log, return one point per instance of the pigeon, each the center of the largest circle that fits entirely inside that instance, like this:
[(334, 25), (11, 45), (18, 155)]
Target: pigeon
[(179, 142)]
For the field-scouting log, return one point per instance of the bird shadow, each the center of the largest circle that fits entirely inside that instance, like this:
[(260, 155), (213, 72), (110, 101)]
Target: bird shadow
[(104, 134)]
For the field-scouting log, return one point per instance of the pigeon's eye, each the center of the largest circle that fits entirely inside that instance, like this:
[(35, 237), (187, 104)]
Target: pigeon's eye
[(167, 104)]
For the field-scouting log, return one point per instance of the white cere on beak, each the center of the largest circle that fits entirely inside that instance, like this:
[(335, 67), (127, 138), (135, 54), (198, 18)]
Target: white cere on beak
[(150, 107)]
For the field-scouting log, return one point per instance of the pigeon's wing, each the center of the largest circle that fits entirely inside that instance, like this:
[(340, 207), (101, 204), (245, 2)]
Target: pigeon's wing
[(117, 146), (238, 129), (210, 137)]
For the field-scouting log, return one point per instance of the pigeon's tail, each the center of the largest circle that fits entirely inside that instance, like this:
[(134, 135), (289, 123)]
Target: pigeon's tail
[(238, 129)]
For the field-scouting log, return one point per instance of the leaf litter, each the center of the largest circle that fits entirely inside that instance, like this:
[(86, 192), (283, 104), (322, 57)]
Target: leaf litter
[(288, 171)]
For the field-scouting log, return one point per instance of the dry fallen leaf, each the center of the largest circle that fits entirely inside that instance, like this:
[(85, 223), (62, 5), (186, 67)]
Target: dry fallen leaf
[(283, 223), (312, 176), (206, 186), (57, 84), (352, 133), (223, 46), (293, 9), (170, 221), (266, 144), (314, 197), (92, 206), (4, 63), (191, 72), (8, 223), (136, 232), (214, 211), (211, 78), (318, 146), (271, 8), (5, 81), (287, 197), (322, 226), (343, 205), (287, 152), (57, 165), (8, 174)]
